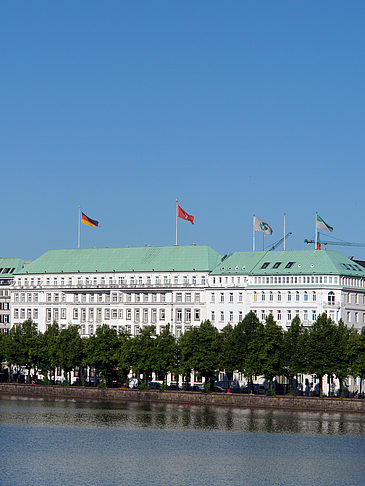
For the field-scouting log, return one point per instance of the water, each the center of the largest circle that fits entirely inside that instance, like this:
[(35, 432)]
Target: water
[(73, 443)]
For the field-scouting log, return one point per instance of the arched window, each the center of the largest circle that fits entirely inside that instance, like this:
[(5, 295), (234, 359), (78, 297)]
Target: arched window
[(263, 296), (289, 296), (331, 298), (305, 296), (314, 297), (297, 296)]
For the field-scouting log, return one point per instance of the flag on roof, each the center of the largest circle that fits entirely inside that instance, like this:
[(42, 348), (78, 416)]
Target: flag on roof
[(321, 224), (90, 222), (184, 215), (260, 225)]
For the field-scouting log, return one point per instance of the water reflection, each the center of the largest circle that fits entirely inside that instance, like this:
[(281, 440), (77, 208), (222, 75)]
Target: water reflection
[(130, 415)]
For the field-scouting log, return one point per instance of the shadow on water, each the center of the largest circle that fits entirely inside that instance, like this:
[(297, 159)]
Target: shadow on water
[(175, 417)]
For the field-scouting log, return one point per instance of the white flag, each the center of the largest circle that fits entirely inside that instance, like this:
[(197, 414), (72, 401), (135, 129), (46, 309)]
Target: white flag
[(260, 225)]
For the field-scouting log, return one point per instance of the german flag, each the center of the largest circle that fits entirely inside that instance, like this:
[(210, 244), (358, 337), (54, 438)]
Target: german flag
[(89, 221)]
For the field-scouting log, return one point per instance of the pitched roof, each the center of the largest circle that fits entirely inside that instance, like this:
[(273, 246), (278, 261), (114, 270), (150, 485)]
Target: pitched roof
[(324, 262), (139, 259), (9, 266)]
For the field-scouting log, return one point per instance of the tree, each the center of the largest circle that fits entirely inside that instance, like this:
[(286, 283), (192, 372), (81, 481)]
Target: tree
[(166, 353), (357, 355), (69, 350), (200, 350), (143, 352), (322, 348), (47, 349), (247, 338), (101, 352), (21, 346), (271, 350), (227, 355), (294, 357), (341, 350)]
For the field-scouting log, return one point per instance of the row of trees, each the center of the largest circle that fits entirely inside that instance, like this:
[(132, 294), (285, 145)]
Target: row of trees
[(250, 347)]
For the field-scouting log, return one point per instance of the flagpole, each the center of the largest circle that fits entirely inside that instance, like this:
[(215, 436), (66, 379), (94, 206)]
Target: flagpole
[(176, 224), (315, 235), (253, 233), (284, 231), (79, 227)]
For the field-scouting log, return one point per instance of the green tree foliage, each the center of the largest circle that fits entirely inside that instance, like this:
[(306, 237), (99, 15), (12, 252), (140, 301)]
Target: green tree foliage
[(271, 350), (247, 339), (101, 352), (166, 354), (295, 349), (357, 355), (200, 350), (322, 348), (69, 350), (21, 346), (227, 352), (143, 352), (47, 350)]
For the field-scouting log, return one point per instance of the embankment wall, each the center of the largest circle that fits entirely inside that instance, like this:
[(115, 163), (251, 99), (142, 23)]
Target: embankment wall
[(185, 398)]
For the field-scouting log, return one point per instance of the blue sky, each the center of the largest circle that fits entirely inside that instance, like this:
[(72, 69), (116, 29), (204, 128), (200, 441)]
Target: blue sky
[(234, 108)]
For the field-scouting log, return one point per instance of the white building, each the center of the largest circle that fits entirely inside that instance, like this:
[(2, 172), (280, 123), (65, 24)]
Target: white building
[(184, 285)]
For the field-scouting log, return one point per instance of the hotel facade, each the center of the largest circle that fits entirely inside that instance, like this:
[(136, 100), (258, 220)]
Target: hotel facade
[(128, 288)]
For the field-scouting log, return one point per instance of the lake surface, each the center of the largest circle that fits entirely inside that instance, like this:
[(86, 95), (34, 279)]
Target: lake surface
[(59, 442)]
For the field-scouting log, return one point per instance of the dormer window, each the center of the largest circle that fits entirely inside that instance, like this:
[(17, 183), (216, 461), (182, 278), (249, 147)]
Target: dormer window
[(289, 264), (265, 265), (277, 265)]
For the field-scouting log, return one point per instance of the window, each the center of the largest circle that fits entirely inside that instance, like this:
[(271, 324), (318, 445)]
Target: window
[(145, 297), (263, 296), (265, 265), (314, 297), (136, 315), (240, 316), (289, 264), (154, 316), (213, 316), (83, 315), (178, 315), (91, 314), (138, 298), (128, 314), (197, 315), (349, 317), (197, 297), (114, 313), (240, 297), (63, 313), (277, 265), (145, 315), (154, 297), (49, 297), (279, 315), (289, 315), (231, 316), (48, 315), (297, 296), (162, 314), (179, 297), (188, 297), (107, 314), (263, 315), (331, 298), (35, 314), (222, 297), (255, 297), (305, 296), (16, 313), (162, 297), (222, 316), (114, 297), (187, 315), (120, 313), (271, 297), (279, 296), (289, 296), (314, 316), (231, 296), (76, 314), (212, 297)]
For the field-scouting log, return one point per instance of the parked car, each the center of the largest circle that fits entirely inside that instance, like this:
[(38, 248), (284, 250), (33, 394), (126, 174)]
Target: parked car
[(154, 385)]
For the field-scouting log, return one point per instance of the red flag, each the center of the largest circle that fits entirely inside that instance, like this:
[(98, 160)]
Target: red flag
[(184, 215)]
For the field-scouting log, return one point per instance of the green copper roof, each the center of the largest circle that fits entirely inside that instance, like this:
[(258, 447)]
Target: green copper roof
[(9, 266), (143, 259), (324, 262)]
